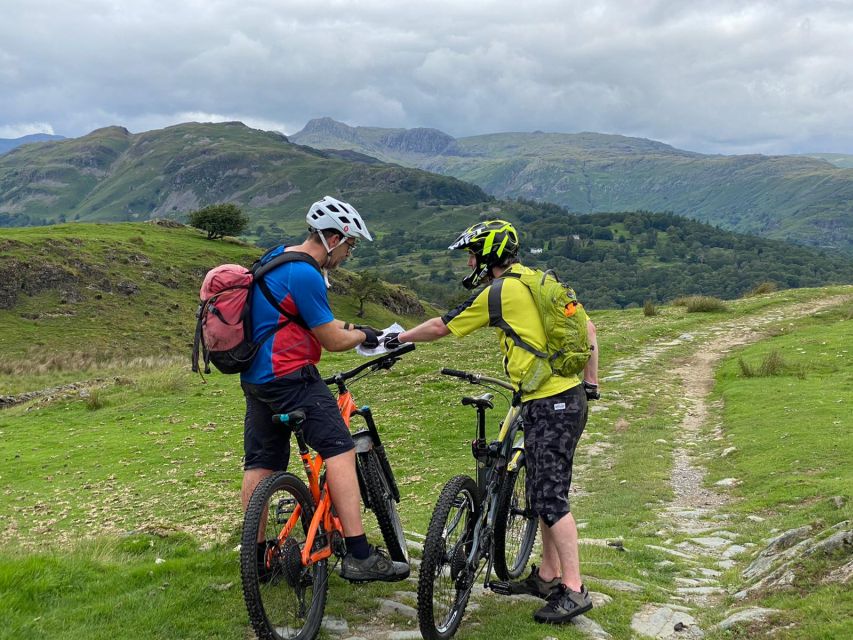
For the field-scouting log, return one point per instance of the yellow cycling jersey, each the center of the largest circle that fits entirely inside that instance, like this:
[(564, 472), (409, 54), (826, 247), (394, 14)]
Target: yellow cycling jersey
[(519, 311)]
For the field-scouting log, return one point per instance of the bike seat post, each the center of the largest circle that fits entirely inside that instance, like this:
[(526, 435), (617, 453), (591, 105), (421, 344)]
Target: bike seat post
[(480, 447)]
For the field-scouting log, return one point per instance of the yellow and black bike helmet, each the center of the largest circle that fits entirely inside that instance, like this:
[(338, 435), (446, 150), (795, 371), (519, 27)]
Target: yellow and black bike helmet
[(492, 242)]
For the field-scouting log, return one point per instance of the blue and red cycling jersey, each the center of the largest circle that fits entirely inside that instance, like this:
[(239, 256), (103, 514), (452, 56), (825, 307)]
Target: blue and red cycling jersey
[(300, 290)]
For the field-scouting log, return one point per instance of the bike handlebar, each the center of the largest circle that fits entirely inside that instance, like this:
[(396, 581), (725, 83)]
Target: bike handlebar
[(385, 361), (477, 378)]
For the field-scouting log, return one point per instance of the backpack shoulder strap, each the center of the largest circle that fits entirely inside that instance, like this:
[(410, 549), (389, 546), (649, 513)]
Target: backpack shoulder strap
[(496, 318), (259, 271)]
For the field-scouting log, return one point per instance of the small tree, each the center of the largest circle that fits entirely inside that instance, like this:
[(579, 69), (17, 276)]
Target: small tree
[(220, 220), (367, 288)]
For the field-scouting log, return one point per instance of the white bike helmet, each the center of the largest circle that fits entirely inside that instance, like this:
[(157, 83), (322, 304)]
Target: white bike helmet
[(330, 213)]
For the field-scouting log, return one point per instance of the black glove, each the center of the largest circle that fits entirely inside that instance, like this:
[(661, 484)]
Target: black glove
[(371, 340), (362, 327), (392, 341), (591, 391)]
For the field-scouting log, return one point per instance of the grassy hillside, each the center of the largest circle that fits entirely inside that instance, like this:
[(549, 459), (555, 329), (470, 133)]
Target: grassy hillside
[(113, 175), (90, 297), (119, 505), (798, 198)]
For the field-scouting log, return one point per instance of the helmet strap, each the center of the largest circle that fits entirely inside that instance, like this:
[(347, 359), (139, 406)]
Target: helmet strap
[(473, 279), (328, 257)]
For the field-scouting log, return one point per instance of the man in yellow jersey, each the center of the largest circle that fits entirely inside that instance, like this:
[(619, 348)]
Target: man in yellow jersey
[(554, 415)]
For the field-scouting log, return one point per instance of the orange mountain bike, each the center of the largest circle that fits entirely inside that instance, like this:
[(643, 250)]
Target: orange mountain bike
[(286, 596)]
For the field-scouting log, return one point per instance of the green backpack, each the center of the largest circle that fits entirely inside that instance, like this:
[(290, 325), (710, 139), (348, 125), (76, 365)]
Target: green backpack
[(563, 318)]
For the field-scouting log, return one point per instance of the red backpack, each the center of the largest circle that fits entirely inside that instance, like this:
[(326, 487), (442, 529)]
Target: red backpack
[(223, 332)]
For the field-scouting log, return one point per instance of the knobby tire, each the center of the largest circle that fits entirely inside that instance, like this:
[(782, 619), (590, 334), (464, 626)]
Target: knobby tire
[(442, 595), (289, 601), (515, 531)]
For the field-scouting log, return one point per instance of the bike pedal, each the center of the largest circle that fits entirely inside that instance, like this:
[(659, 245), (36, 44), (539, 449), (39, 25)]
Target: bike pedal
[(500, 587)]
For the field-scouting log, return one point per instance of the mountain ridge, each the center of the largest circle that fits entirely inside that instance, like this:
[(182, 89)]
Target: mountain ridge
[(7, 144), (114, 175), (800, 198)]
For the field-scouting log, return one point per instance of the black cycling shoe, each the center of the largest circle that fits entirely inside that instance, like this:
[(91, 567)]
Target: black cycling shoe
[(375, 567), (563, 605), (533, 585)]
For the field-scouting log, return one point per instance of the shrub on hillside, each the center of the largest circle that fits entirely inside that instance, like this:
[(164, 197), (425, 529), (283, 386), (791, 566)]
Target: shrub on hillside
[(220, 220), (773, 364), (765, 287), (649, 308), (700, 304)]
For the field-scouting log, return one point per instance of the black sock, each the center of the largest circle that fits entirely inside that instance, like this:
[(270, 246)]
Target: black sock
[(357, 546)]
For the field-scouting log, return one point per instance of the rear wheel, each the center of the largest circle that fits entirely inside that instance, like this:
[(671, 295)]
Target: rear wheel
[(285, 599), (382, 503), (515, 527), (445, 579)]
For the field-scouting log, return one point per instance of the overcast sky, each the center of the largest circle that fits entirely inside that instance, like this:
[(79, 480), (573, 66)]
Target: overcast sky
[(717, 76)]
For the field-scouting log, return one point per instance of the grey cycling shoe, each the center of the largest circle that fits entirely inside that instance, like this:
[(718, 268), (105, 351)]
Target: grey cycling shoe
[(533, 585), (563, 605), (375, 567)]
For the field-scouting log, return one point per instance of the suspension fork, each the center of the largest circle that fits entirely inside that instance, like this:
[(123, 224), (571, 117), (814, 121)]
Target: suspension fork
[(367, 414)]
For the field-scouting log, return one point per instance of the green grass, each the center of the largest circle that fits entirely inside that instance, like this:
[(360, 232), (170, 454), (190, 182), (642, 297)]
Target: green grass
[(87, 486)]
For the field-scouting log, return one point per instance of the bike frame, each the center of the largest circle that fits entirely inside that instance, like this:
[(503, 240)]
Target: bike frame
[(314, 468), (489, 470), (489, 504)]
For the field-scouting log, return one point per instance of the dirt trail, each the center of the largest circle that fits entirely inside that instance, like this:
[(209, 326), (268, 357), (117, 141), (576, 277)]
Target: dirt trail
[(697, 375), (696, 510)]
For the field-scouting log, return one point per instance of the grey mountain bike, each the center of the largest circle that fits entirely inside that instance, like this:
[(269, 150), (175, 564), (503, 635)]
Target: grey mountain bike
[(477, 523)]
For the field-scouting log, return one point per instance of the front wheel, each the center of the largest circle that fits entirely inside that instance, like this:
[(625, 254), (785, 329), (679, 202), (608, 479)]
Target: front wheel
[(515, 526), (285, 599), (381, 500), (445, 579)]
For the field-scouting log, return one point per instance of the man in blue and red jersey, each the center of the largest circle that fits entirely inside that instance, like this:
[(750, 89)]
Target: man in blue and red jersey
[(283, 378)]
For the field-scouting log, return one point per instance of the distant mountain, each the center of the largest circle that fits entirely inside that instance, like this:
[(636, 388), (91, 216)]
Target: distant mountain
[(7, 144), (804, 199), (113, 175), (843, 160)]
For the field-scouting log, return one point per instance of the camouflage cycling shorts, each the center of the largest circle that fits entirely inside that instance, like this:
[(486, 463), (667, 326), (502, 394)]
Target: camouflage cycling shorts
[(552, 428)]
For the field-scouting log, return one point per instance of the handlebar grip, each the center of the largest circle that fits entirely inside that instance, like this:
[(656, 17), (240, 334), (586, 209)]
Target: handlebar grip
[(294, 418), (456, 373)]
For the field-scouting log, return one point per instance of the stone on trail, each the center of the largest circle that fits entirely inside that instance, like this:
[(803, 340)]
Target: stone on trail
[(711, 542), (728, 451), (727, 482), (389, 606), (404, 635), (672, 552), (599, 599), (733, 551), (590, 627), (336, 626), (753, 614), (841, 575), (659, 622), (620, 585)]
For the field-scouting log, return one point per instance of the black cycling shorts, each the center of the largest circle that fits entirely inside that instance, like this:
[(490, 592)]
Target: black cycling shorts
[(267, 445), (552, 428)]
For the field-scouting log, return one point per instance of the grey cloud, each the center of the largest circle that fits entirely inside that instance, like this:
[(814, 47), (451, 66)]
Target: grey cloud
[(725, 76)]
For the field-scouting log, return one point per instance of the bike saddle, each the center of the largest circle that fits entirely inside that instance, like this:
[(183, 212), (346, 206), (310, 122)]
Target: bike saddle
[(484, 400)]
